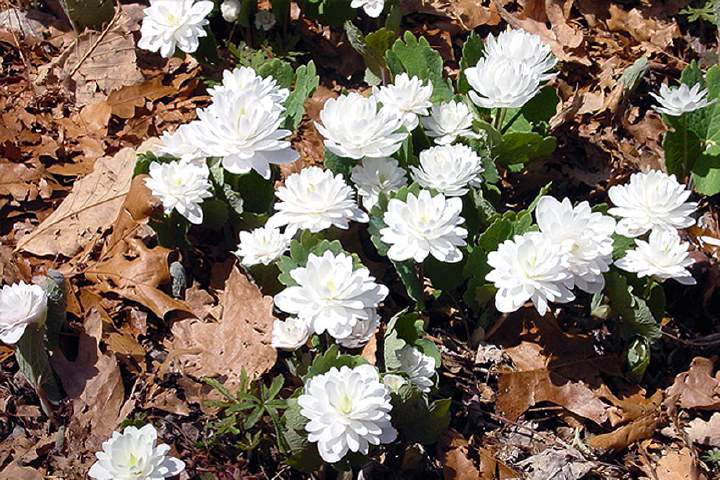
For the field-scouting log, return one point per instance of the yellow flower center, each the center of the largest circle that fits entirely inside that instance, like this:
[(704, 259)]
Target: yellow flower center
[(345, 405)]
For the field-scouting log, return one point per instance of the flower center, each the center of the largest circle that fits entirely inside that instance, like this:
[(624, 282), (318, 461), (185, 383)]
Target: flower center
[(345, 406), (330, 285), (133, 461), (173, 20)]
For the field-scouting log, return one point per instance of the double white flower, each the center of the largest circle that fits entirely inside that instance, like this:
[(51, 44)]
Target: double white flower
[(314, 200), (177, 144), (520, 46), (135, 455), (651, 200), (170, 24), (20, 305), (584, 237), (424, 225), (263, 245), (290, 334), (662, 257), (529, 267), (354, 127), (675, 101), (448, 169), (349, 410), (420, 368), (375, 176), (181, 186), (331, 294), (407, 98), (448, 121)]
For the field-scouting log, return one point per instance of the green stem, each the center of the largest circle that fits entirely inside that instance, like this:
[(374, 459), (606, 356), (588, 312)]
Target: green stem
[(499, 118), (34, 363), (509, 124)]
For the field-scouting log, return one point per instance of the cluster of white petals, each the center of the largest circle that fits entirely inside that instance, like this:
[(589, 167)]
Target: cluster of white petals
[(373, 8), (662, 257), (177, 144), (375, 176), (424, 225), (355, 127), (181, 186), (583, 236), (230, 10), (420, 368), (529, 267), (362, 331), (514, 67), (171, 24), (349, 410), (651, 200), (449, 121), (675, 101), (263, 245), (20, 305), (407, 98), (135, 455), (331, 294), (315, 199), (448, 169), (290, 334), (246, 81)]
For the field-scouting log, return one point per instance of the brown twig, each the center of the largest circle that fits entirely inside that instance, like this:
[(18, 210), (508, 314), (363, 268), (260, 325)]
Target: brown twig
[(97, 42)]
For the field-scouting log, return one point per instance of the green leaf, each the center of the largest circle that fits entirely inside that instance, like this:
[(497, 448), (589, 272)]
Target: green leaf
[(444, 276), (682, 147), (706, 175), (377, 44), (142, 163), (224, 191), (621, 245), (280, 70), (692, 75), (410, 279), (405, 328), (633, 75), (338, 164), (331, 358), (215, 214), (415, 420), (637, 319), (417, 58), (256, 192), (638, 358), (472, 51), (542, 107), (521, 147), (306, 81)]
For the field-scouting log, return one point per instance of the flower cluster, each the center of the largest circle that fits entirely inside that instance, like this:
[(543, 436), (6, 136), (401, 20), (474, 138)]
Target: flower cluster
[(674, 101), (515, 65), (171, 24)]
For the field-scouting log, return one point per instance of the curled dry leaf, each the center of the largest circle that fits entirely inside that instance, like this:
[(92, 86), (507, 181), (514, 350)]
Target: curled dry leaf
[(677, 465), (453, 454), (697, 388), (241, 340), (705, 432)]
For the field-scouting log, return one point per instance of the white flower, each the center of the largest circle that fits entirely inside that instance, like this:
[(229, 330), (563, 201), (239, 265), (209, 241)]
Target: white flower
[(168, 24), (245, 130), (499, 83), (675, 101), (649, 201), (181, 186), (407, 98), (520, 46), (529, 267), (584, 237), (419, 367), (291, 334), (373, 8), (349, 410), (424, 225), (448, 121), (394, 382), (20, 305), (262, 245), (448, 169), (313, 199), (264, 20), (244, 81), (663, 256), (375, 176), (135, 455), (362, 331), (353, 127), (178, 145), (331, 295), (230, 10)]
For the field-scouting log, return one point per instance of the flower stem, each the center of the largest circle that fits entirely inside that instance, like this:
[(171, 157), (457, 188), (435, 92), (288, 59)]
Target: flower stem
[(34, 363), (499, 118)]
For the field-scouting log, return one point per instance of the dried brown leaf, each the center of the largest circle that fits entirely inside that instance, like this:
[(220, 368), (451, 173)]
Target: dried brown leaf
[(697, 388), (453, 454), (678, 465), (705, 432)]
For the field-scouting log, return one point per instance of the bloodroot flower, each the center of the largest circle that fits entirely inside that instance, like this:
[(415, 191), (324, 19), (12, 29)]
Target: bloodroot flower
[(354, 127), (675, 101), (518, 45), (181, 186), (420, 368), (291, 334), (362, 332), (375, 176), (314, 200), (583, 236), (448, 169), (651, 200), (529, 267), (423, 225), (20, 305), (263, 245), (349, 410), (331, 294), (662, 257), (373, 8), (168, 24), (500, 83), (448, 121), (406, 97), (135, 455)]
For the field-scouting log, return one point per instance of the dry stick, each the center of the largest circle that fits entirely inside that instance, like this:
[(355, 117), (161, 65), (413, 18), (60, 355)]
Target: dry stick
[(97, 42)]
